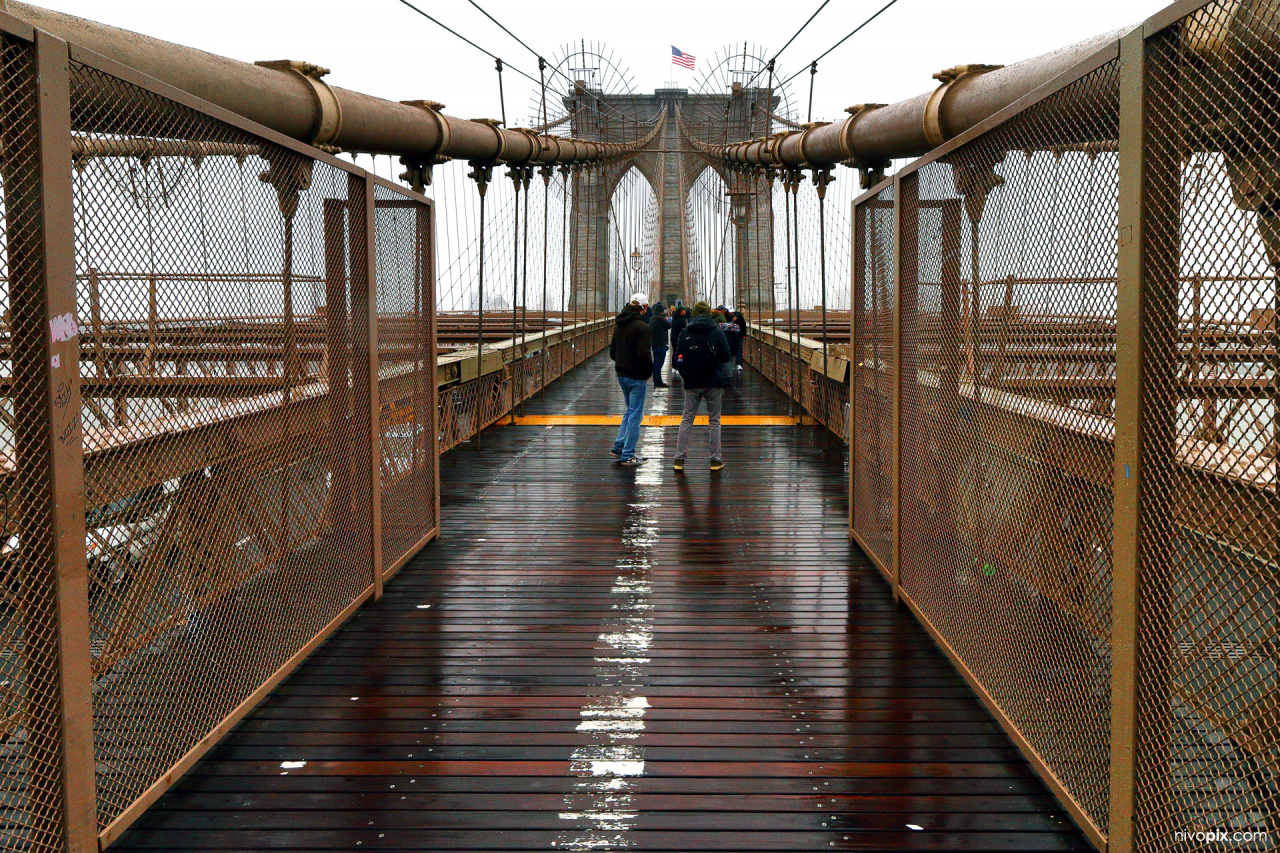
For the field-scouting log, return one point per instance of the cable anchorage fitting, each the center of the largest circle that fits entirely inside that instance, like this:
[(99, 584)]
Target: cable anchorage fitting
[(482, 173), (418, 169), (821, 177)]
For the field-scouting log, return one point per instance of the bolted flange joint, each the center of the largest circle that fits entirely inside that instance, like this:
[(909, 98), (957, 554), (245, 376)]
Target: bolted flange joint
[(934, 130), (329, 122)]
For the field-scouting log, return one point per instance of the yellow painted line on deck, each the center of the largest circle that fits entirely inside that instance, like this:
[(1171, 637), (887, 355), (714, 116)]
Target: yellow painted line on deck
[(654, 420)]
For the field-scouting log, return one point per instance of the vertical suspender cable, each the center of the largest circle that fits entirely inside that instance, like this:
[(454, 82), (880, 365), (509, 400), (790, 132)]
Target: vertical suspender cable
[(813, 72), (822, 177), (527, 173), (502, 101), (795, 330), (791, 303), (565, 172), (515, 173), (545, 171), (481, 174)]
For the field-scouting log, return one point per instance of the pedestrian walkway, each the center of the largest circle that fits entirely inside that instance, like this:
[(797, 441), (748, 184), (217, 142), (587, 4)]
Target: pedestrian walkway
[(597, 658)]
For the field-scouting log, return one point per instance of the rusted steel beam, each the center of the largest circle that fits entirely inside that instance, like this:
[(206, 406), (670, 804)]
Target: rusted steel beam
[(292, 98)]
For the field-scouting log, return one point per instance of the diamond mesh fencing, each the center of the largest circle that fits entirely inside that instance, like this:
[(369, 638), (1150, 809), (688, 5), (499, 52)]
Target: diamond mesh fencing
[(1208, 695), (30, 716), (406, 365), (1007, 292), (871, 379), (223, 288)]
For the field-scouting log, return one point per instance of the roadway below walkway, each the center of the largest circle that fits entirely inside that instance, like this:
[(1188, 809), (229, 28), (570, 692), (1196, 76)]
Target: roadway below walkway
[(598, 658)]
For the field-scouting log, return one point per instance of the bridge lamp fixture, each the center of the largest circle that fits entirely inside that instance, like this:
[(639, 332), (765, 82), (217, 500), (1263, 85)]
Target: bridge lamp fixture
[(635, 260), (739, 207)]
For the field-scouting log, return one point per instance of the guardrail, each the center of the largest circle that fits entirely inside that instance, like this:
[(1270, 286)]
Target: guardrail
[(818, 385), (509, 372)]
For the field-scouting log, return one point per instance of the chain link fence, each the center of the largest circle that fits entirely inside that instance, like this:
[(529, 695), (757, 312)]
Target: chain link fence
[(871, 380), (31, 673)]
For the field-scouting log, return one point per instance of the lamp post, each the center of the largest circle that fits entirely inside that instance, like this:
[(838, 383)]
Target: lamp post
[(636, 260)]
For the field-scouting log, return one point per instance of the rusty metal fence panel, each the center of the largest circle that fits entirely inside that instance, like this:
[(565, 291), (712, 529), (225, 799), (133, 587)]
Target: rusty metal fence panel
[(1089, 438), (223, 289), (1206, 712), (46, 751), (406, 364), (195, 504), (871, 379), (1007, 296)]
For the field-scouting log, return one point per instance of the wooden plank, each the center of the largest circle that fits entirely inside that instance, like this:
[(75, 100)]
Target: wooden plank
[(590, 652)]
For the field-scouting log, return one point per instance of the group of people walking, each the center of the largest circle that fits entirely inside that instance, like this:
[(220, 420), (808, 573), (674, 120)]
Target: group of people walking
[(706, 350)]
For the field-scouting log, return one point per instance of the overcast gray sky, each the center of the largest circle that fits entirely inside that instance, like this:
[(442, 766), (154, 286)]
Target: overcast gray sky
[(383, 48)]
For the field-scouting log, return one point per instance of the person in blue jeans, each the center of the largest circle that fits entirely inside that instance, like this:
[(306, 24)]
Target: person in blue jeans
[(632, 356), (659, 333)]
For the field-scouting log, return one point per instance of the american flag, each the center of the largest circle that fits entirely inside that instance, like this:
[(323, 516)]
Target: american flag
[(684, 60)]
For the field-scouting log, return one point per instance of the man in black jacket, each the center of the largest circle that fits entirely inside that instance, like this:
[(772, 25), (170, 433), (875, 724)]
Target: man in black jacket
[(679, 319), (633, 361), (658, 334), (700, 352), (741, 322)]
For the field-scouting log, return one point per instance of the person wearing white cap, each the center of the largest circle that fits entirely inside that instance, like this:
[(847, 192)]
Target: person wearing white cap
[(632, 357)]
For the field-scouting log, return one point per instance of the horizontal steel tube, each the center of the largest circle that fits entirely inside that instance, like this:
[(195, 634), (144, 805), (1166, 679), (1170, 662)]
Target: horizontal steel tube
[(285, 102), (898, 130)]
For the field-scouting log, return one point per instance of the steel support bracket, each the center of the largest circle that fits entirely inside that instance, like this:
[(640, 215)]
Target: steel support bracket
[(329, 124), (871, 172), (948, 77)]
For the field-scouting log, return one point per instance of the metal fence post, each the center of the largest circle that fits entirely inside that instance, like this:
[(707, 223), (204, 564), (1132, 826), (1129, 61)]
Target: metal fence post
[(856, 308), (49, 447), (1147, 317), (904, 265), (364, 375)]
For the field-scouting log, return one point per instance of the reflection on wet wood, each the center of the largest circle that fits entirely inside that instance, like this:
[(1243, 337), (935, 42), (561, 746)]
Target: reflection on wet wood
[(593, 658)]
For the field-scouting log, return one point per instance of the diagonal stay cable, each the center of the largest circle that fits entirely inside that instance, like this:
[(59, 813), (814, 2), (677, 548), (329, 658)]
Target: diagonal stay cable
[(794, 36), (851, 34), (540, 57), (454, 32)]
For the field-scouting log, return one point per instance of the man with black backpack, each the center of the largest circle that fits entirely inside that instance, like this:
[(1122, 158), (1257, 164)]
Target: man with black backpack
[(700, 353)]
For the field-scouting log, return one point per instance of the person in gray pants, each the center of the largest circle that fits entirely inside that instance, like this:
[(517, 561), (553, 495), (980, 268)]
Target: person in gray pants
[(700, 354)]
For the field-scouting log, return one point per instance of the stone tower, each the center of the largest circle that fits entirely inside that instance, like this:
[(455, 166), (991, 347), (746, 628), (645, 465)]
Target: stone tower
[(671, 165)]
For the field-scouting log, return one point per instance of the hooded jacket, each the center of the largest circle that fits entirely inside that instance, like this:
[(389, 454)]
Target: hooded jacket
[(630, 348), (705, 325), (659, 330)]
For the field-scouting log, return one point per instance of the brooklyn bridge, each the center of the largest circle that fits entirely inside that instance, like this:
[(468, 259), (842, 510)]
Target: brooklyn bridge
[(312, 538)]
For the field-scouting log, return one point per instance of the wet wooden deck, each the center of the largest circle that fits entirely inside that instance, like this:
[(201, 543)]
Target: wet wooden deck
[(596, 658)]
